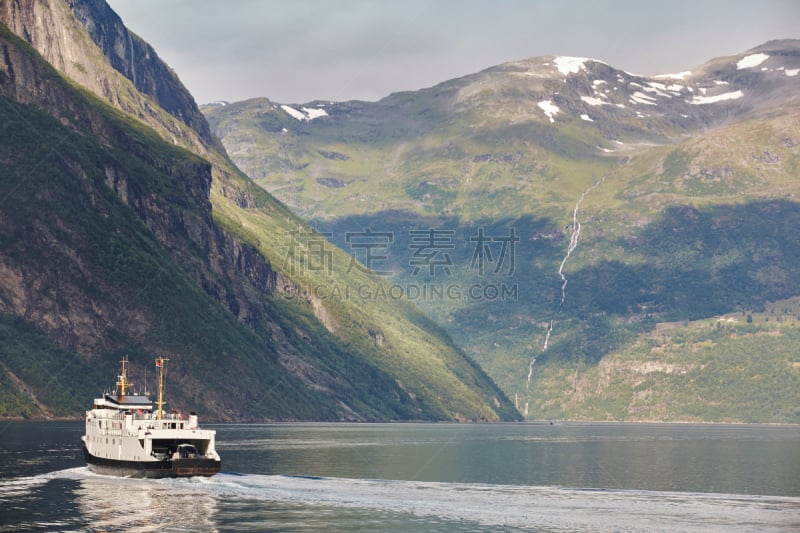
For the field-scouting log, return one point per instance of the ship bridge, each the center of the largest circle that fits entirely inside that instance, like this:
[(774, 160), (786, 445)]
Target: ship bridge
[(127, 402)]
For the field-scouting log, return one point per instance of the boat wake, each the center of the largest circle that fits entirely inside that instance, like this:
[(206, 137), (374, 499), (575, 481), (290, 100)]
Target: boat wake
[(510, 506)]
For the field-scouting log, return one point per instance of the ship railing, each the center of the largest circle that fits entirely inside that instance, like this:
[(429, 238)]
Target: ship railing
[(149, 420), (153, 417), (120, 415)]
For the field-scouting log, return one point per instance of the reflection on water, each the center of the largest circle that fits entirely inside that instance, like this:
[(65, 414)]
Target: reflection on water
[(694, 458), (431, 477), (541, 508), (143, 505), (274, 503)]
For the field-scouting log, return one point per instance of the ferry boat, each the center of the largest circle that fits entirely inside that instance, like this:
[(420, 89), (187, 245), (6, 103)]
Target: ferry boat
[(126, 436)]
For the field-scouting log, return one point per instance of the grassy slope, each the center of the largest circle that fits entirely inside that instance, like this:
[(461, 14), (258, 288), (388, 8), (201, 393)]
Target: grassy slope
[(725, 244), (101, 256), (388, 331)]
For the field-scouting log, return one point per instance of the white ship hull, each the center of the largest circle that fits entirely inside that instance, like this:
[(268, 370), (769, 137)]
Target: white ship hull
[(152, 469), (125, 437)]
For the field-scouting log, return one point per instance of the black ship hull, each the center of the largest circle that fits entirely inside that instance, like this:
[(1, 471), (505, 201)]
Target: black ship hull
[(152, 469)]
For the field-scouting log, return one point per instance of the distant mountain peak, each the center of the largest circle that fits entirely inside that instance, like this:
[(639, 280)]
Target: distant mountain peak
[(664, 179), (572, 65)]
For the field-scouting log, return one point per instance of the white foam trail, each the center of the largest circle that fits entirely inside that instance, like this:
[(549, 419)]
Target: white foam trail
[(537, 507), (10, 488), (525, 506)]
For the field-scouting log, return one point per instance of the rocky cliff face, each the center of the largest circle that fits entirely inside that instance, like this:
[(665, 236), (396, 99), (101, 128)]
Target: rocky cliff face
[(63, 32), (52, 28), (138, 62), (115, 241), (182, 221), (109, 246)]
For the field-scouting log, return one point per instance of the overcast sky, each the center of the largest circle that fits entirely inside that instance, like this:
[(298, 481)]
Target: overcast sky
[(294, 51)]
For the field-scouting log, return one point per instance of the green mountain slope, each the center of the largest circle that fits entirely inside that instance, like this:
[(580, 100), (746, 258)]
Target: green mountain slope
[(638, 203), (116, 242)]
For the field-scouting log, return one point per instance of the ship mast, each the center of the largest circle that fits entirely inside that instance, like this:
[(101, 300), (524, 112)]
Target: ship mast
[(122, 379), (161, 364)]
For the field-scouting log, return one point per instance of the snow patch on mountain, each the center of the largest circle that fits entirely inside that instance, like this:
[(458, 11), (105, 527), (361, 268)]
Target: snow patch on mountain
[(294, 112), (657, 88), (307, 113), (792, 72), (549, 108), (641, 98), (570, 65), (586, 117), (676, 76), (593, 101), (701, 100), (313, 113), (753, 60)]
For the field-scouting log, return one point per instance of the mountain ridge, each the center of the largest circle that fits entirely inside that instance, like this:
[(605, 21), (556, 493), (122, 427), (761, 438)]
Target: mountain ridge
[(609, 112), (598, 171)]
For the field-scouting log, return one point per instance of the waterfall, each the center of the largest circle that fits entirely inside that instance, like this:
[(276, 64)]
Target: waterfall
[(575, 234), (132, 63)]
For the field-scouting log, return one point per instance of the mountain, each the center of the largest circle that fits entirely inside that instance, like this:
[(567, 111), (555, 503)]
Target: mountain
[(126, 229), (617, 246)]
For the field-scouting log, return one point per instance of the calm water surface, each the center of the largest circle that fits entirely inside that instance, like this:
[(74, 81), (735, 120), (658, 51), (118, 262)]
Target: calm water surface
[(422, 477)]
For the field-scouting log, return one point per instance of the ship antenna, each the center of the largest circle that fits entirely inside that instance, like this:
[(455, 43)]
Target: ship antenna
[(161, 364), (122, 380)]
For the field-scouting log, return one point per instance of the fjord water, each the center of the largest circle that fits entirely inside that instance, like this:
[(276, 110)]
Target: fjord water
[(422, 477)]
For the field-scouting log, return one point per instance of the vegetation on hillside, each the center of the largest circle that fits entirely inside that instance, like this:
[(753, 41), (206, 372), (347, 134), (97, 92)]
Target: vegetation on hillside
[(110, 249), (679, 213)]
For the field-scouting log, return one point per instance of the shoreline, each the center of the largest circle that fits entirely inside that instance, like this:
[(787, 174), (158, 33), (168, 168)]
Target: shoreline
[(445, 422)]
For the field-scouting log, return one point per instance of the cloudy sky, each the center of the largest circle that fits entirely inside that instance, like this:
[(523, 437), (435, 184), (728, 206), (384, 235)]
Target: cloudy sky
[(294, 51)]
